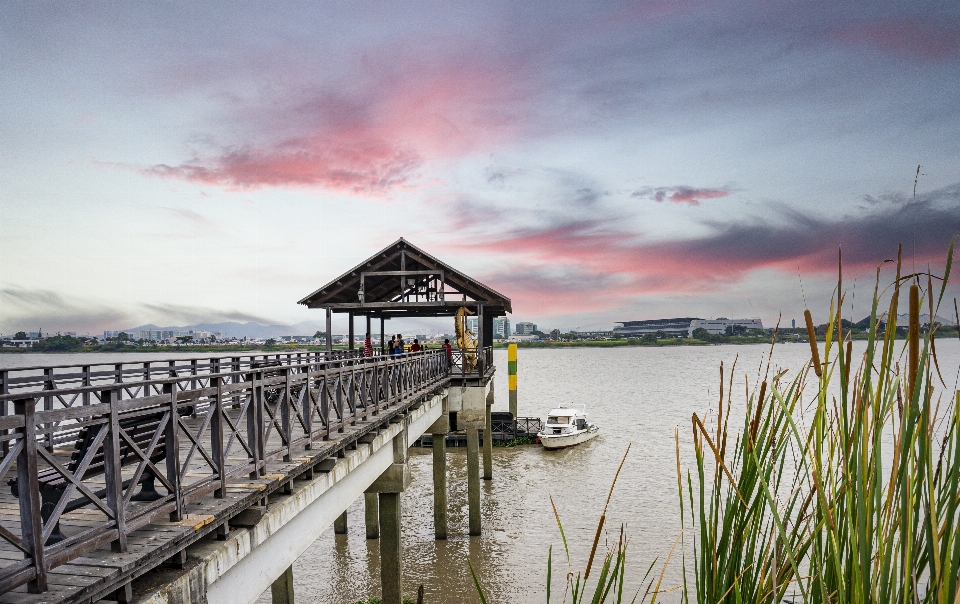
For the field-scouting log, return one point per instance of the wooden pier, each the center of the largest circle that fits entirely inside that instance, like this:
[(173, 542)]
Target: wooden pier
[(201, 480)]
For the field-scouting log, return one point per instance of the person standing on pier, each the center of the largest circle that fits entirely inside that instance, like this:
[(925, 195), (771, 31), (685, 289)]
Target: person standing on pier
[(367, 346), (447, 348), (415, 347), (392, 347), (400, 344)]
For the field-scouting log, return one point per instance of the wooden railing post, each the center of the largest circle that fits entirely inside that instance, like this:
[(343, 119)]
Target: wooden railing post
[(31, 524), (172, 446), (85, 397), (285, 407), (307, 408), (325, 403), (48, 406), (4, 389), (111, 471), (216, 435)]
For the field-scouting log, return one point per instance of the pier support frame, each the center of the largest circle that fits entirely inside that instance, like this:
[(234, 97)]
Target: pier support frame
[(282, 588), (340, 524), (387, 488), (488, 437), (473, 479), (439, 430), (371, 515)]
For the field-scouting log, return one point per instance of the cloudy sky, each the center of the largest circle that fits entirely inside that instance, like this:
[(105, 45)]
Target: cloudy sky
[(181, 162)]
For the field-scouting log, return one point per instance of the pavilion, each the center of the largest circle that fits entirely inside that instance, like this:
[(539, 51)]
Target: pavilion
[(402, 280)]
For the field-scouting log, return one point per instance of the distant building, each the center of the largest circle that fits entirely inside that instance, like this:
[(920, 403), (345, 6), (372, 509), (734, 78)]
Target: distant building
[(110, 334), (501, 328), (154, 335), (523, 338), (719, 326), (635, 329), (525, 328), (473, 324)]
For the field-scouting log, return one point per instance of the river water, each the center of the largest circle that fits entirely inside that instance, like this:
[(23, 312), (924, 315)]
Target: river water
[(637, 395)]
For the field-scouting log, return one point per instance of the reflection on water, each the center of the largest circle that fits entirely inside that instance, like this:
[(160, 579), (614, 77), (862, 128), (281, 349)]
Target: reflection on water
[(636, 395)]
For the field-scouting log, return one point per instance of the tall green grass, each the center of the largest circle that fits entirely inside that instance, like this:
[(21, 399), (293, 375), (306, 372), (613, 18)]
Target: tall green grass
[(860, 502)]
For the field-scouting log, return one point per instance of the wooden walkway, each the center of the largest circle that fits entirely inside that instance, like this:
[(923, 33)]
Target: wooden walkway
[(352, 413)]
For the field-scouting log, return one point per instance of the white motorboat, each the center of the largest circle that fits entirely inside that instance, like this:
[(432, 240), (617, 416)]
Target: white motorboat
[(566, 428)]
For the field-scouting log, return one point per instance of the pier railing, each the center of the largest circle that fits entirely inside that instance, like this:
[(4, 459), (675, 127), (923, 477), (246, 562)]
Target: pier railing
[(193, 426), (472, 364)]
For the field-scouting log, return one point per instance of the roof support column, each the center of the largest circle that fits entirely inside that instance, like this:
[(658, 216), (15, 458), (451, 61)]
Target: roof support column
[(329, 330), (382, 343), (351, 331)]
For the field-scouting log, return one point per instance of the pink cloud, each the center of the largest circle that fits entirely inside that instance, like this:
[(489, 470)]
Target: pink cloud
[(374, 139), (593, 264), (921, 38), (681, 194)]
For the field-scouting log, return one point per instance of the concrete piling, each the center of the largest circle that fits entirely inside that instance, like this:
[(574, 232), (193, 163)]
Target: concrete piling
[(440, 486), (488, 441), (473, 479), (340, 524), (390, 564), (371, 515), (282, 588)]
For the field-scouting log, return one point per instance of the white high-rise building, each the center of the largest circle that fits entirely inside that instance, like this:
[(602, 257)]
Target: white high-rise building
[(501, 328)]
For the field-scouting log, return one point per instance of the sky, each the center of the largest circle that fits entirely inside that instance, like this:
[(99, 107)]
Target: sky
[(174, 163)]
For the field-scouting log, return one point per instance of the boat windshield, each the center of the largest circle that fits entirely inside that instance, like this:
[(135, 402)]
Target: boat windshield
[(558, 419)]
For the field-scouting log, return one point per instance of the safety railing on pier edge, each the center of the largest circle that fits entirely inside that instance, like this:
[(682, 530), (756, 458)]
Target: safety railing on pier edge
[(462, 362), (207, 424)]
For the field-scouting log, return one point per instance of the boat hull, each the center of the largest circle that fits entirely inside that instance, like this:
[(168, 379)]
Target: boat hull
[(565, 441)]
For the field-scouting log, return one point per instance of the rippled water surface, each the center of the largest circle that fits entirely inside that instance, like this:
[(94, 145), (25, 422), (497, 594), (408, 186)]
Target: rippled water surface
[(636, 395)]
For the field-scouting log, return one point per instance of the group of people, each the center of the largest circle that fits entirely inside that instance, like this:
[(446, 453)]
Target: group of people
[(398, 346)]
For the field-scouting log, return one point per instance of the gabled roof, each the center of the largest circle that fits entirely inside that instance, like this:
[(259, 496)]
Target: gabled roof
[(383, 292)]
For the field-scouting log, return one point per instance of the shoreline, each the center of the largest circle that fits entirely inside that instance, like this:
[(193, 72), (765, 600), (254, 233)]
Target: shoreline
[(631, 342)]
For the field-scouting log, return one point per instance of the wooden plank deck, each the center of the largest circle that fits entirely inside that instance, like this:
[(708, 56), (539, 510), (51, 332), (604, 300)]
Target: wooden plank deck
[(99, 572)]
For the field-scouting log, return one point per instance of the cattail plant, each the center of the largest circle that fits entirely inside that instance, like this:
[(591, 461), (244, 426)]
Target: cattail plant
[(860, 504)]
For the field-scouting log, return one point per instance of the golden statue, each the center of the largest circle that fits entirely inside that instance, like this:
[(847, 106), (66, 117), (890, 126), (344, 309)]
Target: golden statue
[(466, 339)]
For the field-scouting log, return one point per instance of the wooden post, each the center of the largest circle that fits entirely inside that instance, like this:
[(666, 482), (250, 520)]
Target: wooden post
[(31, 524), (329, 331), (48, 406), (112, 474), (172, 449), (307, 410), (285, 414), (216, 436), (4, 389), (350, 332), (253, 429), (383, 345)]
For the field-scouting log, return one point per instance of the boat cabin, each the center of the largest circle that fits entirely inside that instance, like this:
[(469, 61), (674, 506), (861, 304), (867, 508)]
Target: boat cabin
[(562, 420)]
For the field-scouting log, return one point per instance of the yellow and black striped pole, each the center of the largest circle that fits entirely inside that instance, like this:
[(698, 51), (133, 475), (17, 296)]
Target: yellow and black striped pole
[(512, 373)]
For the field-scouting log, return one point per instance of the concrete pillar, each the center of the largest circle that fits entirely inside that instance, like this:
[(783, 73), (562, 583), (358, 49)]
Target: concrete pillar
[(440, 485), (473, 479), (390, 565), (282, 588), (340, 524), (488, 438), (371, 514)]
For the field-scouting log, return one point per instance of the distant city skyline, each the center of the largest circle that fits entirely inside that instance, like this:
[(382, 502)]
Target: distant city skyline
[(178, 164)]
